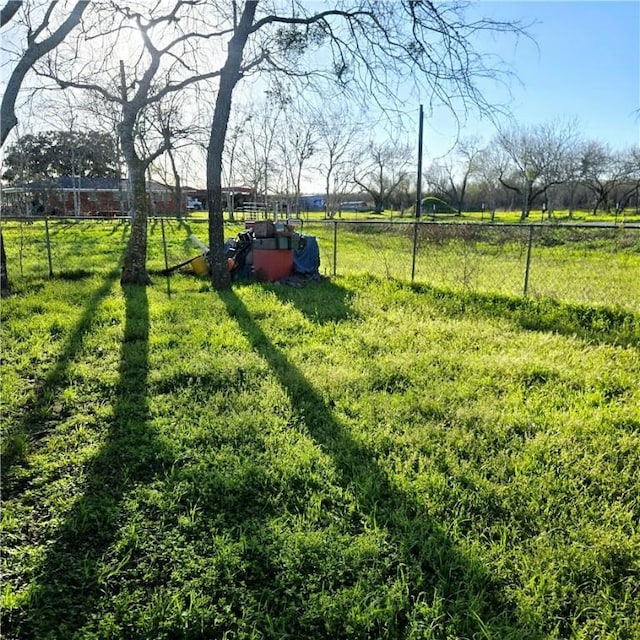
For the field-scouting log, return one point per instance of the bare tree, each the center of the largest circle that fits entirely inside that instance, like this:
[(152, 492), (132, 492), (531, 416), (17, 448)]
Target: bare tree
[(256, 141), (9, 10), (449, 179), (249, 157), (468, 153), (533, 158), (233, 161), (603, 172), (490, 167), (230, 75), (571, 170), (631, 186), (436, 179), (159, 71), (297, 145), (385, 168), (338, 135), (37, 46), (166, 118)]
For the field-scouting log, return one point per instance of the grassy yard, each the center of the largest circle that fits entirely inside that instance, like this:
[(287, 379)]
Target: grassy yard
[(356, 459), (630, 215)]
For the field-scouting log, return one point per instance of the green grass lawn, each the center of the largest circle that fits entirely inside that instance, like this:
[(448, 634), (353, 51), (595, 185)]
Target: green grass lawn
[(356, 459), (580, 265)]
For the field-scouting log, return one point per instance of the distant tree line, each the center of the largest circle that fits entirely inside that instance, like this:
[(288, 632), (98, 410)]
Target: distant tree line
[(45, 155), (547, 167)]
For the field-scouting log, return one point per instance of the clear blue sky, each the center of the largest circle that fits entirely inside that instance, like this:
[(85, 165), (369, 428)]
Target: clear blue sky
[(585, 64)]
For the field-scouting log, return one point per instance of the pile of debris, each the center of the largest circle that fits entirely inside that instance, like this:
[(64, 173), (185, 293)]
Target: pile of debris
[(267, 251)]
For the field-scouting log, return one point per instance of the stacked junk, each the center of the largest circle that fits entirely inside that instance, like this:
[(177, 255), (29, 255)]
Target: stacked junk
[(267, 251)]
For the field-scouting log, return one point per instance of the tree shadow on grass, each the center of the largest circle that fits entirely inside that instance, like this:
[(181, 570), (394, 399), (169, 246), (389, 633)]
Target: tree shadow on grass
[(321, 302), (474, 604), (65, 590), (37, 414), (597, 325)]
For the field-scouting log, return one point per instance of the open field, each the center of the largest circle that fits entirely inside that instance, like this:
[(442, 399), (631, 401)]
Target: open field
[(586, 264), (359, 458)]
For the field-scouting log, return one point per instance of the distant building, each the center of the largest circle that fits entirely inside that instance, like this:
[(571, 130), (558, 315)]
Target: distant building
[(84, 196), (311, 203), (236, 196)]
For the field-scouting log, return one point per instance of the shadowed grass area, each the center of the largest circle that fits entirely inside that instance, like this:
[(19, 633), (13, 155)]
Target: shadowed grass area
[(66, 583), (43, 402)]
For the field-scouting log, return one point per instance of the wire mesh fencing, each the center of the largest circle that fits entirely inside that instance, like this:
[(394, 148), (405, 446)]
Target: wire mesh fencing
[(586, 264)]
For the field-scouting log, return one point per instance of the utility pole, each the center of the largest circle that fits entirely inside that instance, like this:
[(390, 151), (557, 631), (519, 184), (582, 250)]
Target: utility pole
[(419, 177), (418, 196)]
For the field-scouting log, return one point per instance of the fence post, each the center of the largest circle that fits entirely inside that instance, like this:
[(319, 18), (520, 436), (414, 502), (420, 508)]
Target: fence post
[(528, 262), (164, 245), (46, 229), (415, 249), (335, 245)]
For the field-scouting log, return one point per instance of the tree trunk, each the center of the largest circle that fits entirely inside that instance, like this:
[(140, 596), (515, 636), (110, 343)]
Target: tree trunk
[(4, 275), (600, 199), (327, 202), (178, 189), (229, 77), (463, 191), (526, 204), (134, 269)]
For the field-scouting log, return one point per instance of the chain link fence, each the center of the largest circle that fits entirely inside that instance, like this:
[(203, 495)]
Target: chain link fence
[(586, 264)]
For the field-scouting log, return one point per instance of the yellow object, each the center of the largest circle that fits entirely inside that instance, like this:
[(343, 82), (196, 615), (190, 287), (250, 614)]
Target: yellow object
[(200, 266)]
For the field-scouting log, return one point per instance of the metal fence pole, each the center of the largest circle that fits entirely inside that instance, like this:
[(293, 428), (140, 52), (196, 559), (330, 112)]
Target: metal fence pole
[(415, 249), (335, 245), (164, 244), (46, 229), (528, 262)]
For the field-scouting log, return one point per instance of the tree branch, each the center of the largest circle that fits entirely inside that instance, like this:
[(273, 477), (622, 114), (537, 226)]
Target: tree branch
[(8, 11), (309, 19), (35, 51)]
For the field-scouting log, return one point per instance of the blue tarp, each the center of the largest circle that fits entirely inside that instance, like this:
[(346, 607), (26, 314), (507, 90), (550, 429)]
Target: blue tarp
[(306, 259)]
